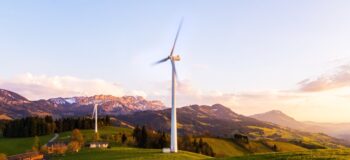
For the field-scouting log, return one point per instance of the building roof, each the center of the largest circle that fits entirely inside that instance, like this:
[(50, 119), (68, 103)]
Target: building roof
[(99, 143)]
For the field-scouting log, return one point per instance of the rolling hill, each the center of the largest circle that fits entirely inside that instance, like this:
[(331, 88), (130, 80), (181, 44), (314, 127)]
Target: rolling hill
[(339, 130), (219, 121)]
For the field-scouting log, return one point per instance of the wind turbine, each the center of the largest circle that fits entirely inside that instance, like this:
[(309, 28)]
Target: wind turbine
[(94, 113), (173, 58)]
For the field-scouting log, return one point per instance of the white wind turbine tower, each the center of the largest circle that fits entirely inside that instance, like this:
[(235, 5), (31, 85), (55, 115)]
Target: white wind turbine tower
[(173, 58), (94, 113)]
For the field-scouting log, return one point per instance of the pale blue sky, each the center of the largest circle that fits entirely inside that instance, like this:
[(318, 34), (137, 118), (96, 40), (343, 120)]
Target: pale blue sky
[(227, 46)]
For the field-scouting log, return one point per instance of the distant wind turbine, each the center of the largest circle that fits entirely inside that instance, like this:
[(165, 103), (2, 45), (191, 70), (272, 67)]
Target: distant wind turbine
[(94, 113), (173, 58)]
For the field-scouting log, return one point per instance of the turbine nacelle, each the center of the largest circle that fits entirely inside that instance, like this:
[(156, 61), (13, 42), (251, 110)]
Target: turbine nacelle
[(175, 58)]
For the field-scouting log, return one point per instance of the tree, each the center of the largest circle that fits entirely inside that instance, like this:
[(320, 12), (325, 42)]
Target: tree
[(74, 146), (195, 145), (162, 140), (115, 138), (137, 134), (274, 148), (144, 138), (77, 136), (186, 144), (200, 145), (124, 138), (36, 144)]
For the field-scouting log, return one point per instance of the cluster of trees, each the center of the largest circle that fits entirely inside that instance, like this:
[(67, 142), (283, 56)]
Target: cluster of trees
[(241, 138), (193, 145), (29, 127), (145, 138), (68, 124), (243, 141), (38, 126)]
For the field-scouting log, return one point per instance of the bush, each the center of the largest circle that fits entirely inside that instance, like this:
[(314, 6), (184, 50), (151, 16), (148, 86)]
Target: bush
[(3, 156)]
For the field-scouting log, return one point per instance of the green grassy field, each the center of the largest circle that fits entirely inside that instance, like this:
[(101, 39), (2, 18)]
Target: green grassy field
[(11, 146), (286, 147), (325, 154), (130, 154), (227, 148), (145, 154), (108, 130), (224, 148)]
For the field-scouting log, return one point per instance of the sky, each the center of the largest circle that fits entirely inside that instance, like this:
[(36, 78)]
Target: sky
[(252, 56)]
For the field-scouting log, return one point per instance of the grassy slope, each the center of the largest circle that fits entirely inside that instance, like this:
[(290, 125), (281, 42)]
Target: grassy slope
[(258, 147), (223, 147), (11, 146), (326, 154), (286, 147), (130, 154)]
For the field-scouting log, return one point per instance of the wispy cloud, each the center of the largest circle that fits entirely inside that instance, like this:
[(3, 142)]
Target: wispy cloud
[(340, 78), (42, 86)]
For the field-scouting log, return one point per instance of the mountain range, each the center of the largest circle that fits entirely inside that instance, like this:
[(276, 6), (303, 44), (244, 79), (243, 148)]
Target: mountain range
[(339, 130), (216, 120), (13, 105)]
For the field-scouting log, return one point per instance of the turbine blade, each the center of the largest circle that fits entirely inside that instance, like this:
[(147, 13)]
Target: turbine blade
[(177, 35), (93, 113), (174, 69), (161, 61)]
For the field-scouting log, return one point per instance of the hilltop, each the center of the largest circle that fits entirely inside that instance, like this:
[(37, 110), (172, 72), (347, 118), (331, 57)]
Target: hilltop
[(339, 130)]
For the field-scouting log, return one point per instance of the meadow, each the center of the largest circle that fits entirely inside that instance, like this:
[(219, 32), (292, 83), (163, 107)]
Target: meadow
[(129, 153), (11, 146), (320, 154), (225, 149)]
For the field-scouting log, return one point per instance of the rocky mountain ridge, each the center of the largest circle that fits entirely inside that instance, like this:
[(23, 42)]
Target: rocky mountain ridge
[(14, 105)]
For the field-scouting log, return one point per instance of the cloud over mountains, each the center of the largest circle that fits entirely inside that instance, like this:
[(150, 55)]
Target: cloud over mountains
[(340, 78), (42, 86), (313, 99)]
